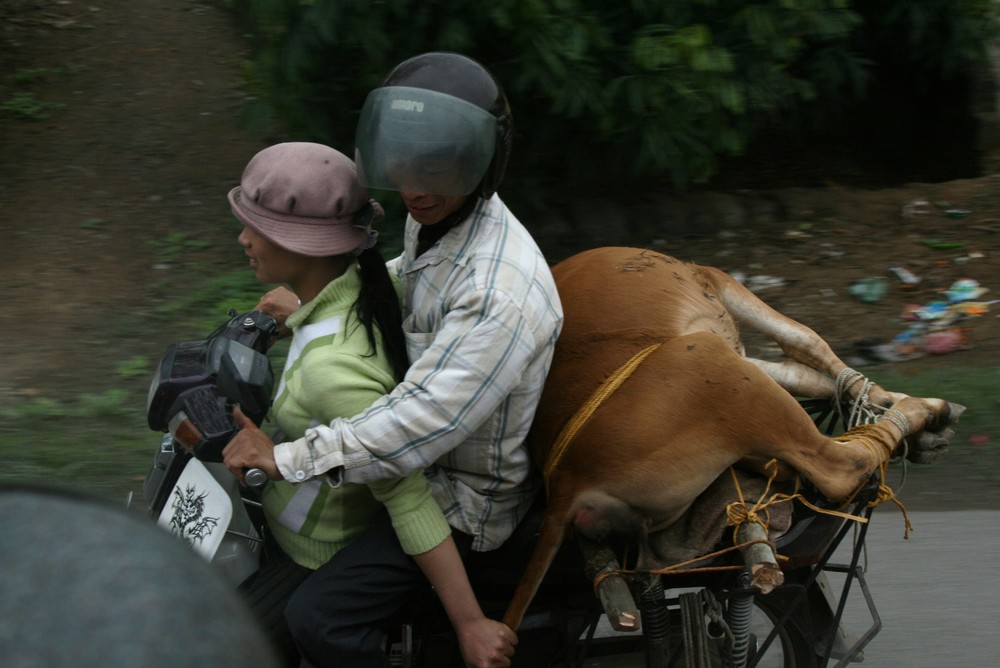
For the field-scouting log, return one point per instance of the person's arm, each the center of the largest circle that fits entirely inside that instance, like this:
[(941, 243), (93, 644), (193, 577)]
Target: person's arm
[(483, 641), (332, 384), (479, 354), (424, 534)]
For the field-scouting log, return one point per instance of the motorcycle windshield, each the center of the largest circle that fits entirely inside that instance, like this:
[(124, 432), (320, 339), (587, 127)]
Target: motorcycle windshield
[(416, 140)]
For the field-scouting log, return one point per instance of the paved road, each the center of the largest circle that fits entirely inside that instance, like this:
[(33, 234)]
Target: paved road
[(938, 593)]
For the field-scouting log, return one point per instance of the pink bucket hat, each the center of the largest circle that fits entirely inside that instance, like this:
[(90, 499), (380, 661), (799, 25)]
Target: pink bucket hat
[(306, 198)]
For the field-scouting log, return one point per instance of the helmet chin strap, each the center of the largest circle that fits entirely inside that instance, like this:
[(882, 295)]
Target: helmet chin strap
[(428, 235)]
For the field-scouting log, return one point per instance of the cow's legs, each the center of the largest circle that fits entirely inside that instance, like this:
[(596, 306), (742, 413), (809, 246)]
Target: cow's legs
[(815, 368), (797, 341), (797, 379), (925, 445), (695, 407)]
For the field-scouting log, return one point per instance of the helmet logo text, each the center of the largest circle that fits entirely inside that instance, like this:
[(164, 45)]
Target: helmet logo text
[(408, 105)]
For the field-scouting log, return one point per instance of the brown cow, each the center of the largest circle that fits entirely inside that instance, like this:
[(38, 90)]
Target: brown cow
[(688, 404)]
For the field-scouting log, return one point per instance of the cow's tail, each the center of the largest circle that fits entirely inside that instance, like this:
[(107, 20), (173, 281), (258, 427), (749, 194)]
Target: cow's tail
[(550, 538)]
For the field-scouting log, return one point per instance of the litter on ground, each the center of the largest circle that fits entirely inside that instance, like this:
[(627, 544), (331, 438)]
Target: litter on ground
[(935, 328)]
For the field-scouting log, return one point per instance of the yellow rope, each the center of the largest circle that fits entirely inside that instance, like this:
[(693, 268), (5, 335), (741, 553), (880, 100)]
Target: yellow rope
[(873, 436), (737, 512), (678, 569), (879, 441), (600, 395)]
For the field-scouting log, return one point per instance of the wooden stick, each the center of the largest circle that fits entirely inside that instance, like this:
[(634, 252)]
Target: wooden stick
[(765, 574), (613, 591)]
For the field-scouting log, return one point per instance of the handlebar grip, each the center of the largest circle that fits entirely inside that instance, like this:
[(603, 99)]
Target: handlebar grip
[(255, 477)]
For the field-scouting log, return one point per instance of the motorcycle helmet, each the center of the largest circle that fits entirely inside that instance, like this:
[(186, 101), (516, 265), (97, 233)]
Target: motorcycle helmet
[(439, 123)]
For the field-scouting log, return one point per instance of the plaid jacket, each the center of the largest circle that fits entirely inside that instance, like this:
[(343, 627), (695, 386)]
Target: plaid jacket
[(481, 317)]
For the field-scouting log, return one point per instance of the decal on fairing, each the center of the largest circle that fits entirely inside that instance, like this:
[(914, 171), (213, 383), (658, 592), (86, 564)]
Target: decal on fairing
[(189, 520)]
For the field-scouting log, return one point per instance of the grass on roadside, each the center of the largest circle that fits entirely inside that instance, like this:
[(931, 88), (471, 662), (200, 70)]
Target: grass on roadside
[(98, 440), (96, 443), (24, 105), (976, 388)]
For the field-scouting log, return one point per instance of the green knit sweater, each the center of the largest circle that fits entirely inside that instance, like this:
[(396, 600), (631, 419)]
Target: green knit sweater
[(330, 372)]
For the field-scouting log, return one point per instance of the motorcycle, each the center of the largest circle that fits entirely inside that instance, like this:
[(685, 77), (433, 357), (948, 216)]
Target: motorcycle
[(191, 398), (694, 618)]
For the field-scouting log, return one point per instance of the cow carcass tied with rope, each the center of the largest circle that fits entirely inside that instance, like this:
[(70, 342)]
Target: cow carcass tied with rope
[(655, 424)]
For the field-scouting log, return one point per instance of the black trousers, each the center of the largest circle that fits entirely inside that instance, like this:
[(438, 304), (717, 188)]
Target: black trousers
[(337, 613), (267, 593)]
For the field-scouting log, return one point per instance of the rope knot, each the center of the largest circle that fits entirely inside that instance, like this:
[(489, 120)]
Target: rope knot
[(738, 512)]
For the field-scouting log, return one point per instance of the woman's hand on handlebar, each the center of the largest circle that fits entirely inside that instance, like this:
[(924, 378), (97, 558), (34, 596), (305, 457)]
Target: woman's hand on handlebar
[(250, 448), (279, 303)]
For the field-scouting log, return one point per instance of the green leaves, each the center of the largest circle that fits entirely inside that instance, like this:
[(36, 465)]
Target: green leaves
[(633, 90)]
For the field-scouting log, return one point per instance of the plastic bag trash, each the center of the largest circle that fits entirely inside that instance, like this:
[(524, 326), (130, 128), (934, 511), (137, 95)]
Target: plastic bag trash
[(908, 344), (935, 310), (944, 341), (965, 290), (972, 309), (869, 290), (918, 207), (905, 275)]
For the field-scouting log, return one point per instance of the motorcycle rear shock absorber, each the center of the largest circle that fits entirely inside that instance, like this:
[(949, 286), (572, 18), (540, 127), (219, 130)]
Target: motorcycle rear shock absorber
[(740, 615), (655, 622)]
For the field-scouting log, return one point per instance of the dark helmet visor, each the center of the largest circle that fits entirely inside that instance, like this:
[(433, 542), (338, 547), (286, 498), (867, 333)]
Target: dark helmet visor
[(418, 140)]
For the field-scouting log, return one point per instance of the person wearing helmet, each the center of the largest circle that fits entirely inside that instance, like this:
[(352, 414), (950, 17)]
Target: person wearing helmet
[(481, 316)]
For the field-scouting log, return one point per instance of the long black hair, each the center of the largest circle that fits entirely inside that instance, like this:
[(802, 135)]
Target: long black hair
[(377, 307)]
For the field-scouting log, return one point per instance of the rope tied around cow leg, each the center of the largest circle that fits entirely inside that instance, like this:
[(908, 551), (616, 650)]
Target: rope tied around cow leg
[(881, 443), (737, 512), (866, 414), (863, 411)]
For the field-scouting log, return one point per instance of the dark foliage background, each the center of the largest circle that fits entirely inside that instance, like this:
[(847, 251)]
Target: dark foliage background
[(625, 96)]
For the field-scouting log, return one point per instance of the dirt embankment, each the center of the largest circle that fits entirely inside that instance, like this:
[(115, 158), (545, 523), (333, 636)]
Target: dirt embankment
[(119, 148)]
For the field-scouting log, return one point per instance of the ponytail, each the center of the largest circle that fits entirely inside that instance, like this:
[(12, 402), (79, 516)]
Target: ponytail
[(377, 307)]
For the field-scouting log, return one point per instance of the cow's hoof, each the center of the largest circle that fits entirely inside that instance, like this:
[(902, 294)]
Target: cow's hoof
[(927, 446), (927, 456), (954, 412)]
